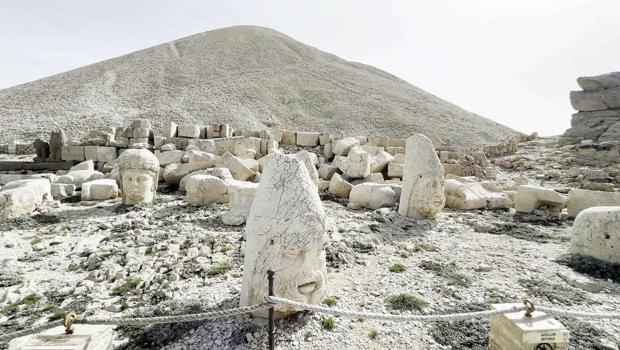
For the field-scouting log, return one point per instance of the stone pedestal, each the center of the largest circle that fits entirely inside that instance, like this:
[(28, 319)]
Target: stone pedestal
[(515, 331), (85, 337)]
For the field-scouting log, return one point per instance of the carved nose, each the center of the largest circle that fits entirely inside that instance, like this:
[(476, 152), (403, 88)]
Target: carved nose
[(307, 288)]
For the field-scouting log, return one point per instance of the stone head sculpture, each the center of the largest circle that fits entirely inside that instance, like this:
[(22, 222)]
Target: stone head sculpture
[(422, 194), (285, 232), (138, 170)]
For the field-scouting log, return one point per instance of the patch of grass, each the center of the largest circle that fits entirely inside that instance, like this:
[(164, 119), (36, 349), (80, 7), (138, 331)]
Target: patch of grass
[(36, 240), (124, 306), (330, 301), (30, 299), (58, 315), (220, 268), (373, 334), (551, 292), (307, 335), (9, 309), (126, 287), (398, 268), (51, 307), (591, 266), (150, 251), (462, 335), (405, 301), (449, 271), (329, 323), (341, 230), (225, 248)]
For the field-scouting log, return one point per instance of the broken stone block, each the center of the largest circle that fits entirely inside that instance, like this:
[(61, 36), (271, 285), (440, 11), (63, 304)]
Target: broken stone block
[(206, 189), (288, 137), (395, 170), (199, 160), (78, 177), (106, 154), (141, 132), (372, 177), (241, 196), (189, 131), (73, 153), (60, 191), (168, 147), (515, 331), (468, 195), (356, 165), (339, 187), (579, 200), (306, 158), (372, 196), (237, 168), (600, 82), (140, 123), (307, 138), (170, 130), (326, 171), (341, 147), (530, 198), (138, 143), (22, 197), (90, 153), (169, 157), (85, 165), (596, 233), (380, 161), (99, 190), (221, 173), (422, 192), (328, 151), (173, 173)]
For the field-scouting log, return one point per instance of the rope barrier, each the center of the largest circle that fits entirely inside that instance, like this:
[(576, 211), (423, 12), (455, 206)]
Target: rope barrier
[(140, 321), (579, 314)]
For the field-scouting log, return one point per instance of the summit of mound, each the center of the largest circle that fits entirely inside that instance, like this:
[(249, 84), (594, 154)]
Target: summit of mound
[(246, 76)]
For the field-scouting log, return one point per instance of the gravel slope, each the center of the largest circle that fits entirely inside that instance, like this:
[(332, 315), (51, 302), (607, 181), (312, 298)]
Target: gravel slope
[(246, 76)]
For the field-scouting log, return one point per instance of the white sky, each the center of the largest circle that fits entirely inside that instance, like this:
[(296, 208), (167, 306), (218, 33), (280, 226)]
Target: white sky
[(513, 61)]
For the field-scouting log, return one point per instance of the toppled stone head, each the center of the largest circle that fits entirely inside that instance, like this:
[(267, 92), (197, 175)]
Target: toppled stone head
[(423, 180), (139, 169), (286, 232)]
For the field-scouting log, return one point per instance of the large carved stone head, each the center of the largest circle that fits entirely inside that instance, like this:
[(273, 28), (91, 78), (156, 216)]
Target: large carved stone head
[(138, 170), (423, 180), (286, 232)]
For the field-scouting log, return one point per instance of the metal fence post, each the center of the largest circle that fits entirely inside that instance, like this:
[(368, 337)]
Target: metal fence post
[(271, 311)]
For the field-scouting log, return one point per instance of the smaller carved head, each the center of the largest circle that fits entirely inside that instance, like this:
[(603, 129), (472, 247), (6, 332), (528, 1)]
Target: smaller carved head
[(139, 169)]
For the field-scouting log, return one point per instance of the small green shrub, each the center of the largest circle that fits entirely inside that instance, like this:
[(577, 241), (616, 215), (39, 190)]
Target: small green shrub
[(329, 323), (373, 334), (58, 315), (398, 268), (30, 299), (341, 229), (220, 268), (405, 301), (9, 309), (126, 287), (330, 301)]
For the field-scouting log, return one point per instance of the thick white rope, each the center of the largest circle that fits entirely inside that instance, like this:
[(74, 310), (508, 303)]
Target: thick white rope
[(579, 314), (390, 317)]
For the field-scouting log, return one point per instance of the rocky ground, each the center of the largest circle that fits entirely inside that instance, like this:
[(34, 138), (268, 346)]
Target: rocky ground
[(104, 258)]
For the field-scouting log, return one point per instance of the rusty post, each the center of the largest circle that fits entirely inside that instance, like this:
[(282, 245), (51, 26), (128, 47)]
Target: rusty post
[(271, 311)]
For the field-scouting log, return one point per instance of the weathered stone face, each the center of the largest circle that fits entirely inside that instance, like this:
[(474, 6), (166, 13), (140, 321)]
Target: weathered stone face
[(139, 170), (286, 232), (423, 181)]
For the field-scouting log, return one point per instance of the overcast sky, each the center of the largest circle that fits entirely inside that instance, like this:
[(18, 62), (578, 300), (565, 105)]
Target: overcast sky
[(513, 61)]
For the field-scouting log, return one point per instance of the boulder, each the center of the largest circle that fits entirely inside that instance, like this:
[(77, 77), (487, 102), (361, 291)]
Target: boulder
[(372, 196), (221, 173), (199, 160), (173, 173), (466, 195), (600, 82), (73, 153), (78, 177), (341, 147), (169, 157), (530, 198), (60, 191), (305, 157), (237, 168), (586, 101), (241, 196), (326, 171), (579, 200), (339, 187), (422, 194), (596, 233), (380, 161), (86, 165), (99, 190), (307, 138), (22, 197), (395, 170), (356, 165), (206, 189), (286, 231)]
